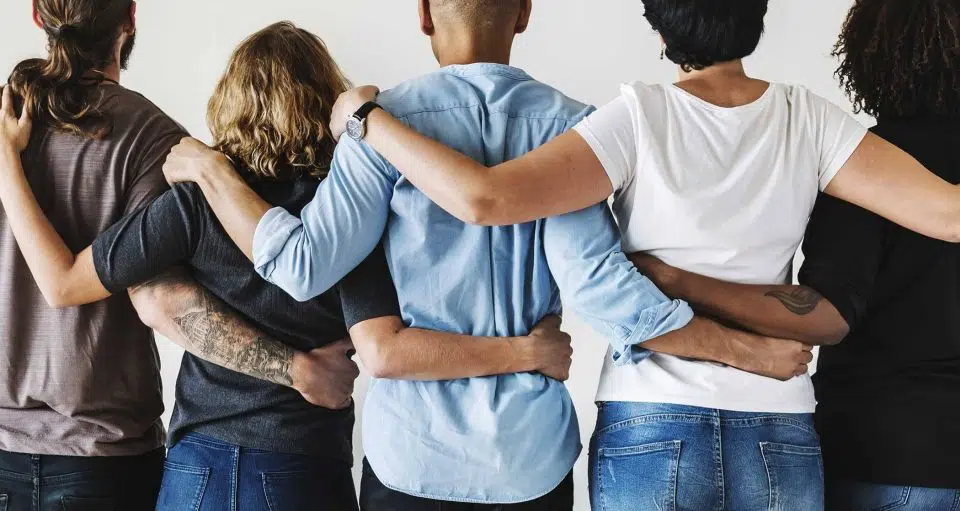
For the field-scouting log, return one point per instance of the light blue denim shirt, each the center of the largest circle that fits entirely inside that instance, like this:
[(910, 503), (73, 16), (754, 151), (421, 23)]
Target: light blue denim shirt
[(501, 439)]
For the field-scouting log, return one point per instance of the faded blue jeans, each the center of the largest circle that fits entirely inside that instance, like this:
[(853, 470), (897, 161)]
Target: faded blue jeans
[(206, 474), (669, 457), (879, 497)]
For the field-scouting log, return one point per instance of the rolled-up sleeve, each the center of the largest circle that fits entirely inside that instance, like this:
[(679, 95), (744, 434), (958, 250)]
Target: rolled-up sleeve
[(843, 251), (307, 256), (601, 285)]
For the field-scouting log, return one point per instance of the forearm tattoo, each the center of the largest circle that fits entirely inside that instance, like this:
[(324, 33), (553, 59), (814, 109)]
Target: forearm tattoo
[(214, 332), (801, 301)]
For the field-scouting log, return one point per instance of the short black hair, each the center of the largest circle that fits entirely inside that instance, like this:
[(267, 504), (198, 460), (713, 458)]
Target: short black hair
[(701, 33), (902, 58)]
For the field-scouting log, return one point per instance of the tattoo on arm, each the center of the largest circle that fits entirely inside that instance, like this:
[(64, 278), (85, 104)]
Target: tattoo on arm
[(800, 301), (209, 329)]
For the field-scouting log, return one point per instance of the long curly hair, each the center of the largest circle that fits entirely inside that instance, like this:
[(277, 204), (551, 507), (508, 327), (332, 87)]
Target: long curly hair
[(901, 58), (271, 109)]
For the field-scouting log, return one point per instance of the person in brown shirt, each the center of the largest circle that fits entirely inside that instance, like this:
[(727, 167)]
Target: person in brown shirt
[(80, 389)]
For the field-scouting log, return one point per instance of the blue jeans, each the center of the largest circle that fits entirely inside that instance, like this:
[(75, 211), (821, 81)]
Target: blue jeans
[(668, 457), (206, 474), (847, 496)]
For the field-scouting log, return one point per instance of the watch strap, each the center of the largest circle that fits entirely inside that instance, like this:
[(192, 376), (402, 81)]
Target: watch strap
[(365, 110)]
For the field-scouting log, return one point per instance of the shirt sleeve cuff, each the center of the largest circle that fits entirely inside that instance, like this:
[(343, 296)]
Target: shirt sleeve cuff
[(654, 322), (842, 156), (274, 230), (583, 129)]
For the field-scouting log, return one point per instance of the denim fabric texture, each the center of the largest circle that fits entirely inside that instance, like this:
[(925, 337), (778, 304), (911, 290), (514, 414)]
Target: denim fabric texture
[(206, 474), (30, 482), (853, 496), (663, 457)]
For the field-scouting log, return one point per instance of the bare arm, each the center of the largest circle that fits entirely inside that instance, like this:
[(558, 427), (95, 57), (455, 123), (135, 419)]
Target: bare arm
[(187, 314), (882, 178), (390, 350), (790, 312), (562, 176), (707, 340), (64, 279)]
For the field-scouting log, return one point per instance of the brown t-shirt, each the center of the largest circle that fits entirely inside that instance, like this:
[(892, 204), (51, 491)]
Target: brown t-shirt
[(83, 381)]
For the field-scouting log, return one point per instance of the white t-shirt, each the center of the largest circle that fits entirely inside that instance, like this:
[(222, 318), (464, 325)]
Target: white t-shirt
[(723, 192)]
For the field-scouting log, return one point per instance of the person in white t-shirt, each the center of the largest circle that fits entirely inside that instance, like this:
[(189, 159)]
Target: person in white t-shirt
[(716, 174)]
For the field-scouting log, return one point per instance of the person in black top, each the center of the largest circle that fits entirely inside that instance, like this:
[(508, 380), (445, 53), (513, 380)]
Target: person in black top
[(887, 394), (234, 438)]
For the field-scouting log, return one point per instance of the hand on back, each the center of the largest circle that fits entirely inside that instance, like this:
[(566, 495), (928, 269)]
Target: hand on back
[(551, 349), (14, 130), (189, 160), (326, 376)]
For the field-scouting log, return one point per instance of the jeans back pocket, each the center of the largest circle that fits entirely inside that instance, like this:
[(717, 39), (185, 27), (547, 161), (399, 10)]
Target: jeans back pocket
[(182, 488), (795, 474), (637, 477)]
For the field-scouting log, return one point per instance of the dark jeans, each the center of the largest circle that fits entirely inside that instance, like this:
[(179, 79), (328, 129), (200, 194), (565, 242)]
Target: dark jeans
[(206, 474), (848, 496), (31, 482), (374, 496)]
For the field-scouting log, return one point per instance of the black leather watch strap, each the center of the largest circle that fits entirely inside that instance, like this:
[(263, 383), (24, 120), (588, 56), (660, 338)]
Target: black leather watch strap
[(365, 110)]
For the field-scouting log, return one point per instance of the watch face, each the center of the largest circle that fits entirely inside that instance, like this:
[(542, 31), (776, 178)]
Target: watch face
[(355, 128)]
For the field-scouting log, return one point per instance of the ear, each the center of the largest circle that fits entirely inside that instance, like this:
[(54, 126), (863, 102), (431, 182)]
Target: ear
[(133, 16), (523, 20), (36, 15), (426, 19)]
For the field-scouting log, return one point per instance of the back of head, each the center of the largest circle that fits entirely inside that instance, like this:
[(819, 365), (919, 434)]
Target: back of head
[(271, 109), (481, 15), (81, 37), (902, 58), (700, 33)]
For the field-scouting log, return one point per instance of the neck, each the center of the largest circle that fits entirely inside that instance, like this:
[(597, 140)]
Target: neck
[(460, 48), (112, 72), (724, 71)]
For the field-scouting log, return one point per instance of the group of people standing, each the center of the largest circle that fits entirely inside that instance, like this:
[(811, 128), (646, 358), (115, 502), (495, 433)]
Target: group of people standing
[(440, 240)]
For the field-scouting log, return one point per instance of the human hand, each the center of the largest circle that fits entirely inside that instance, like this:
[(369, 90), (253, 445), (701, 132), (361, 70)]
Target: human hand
[(774, 358), (14, 130), (191, 160), (347, 104), (550, 349), (326, 376)]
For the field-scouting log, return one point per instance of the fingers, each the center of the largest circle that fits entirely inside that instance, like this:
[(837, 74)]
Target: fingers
[(344, 345), (801, 370), (805, 357), (26, 122), (7, 107)]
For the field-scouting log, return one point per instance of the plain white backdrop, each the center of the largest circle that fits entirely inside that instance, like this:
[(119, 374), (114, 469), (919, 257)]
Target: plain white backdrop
[(584, 47)]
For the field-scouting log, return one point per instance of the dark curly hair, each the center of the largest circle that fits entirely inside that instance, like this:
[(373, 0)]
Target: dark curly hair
[(901, 58), (701, 33)]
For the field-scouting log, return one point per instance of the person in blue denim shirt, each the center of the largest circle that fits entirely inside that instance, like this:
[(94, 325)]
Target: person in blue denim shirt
[(502, 440)]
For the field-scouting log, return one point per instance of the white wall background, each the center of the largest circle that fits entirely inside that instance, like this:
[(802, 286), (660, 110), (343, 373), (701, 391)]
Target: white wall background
[(584, 47)]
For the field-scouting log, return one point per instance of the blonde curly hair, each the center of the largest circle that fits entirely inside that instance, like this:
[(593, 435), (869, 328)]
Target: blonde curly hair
[(271, 109)]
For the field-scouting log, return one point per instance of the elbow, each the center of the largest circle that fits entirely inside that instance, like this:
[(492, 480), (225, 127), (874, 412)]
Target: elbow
[(148, 306), (478, 210), (60, 299), (832, 335), (376, 359)]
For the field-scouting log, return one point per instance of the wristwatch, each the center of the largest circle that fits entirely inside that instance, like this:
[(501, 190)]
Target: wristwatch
[(357, 124)]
